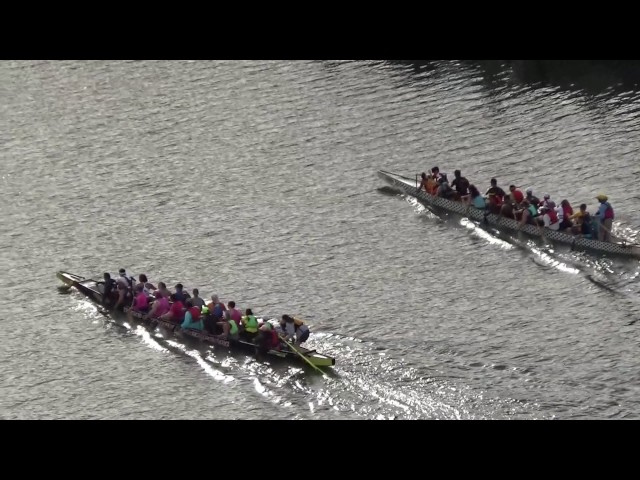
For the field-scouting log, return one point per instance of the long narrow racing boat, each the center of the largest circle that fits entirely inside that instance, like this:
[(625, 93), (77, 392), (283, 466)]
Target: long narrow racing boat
[(410, 187), (93, 289)]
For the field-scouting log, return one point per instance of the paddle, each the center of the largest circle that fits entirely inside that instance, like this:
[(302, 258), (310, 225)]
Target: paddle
[(301, 355), (601, 226), (541, 227)]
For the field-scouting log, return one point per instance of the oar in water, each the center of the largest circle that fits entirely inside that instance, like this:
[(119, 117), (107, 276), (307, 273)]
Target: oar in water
[(300, 354)]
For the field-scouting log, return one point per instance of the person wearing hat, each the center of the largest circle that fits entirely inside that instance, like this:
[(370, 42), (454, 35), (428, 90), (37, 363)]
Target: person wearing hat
[(605, 215)]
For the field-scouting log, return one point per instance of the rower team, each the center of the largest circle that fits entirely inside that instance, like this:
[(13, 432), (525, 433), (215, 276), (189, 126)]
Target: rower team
[(192, 312), (526, 209)]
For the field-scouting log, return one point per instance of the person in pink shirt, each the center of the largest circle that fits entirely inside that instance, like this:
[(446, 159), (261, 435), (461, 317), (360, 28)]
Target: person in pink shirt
[(160, 306), (233, 313), (140, 301)]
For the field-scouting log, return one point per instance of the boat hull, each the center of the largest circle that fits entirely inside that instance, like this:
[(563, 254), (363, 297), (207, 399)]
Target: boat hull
[(315, 358), (408, 186)]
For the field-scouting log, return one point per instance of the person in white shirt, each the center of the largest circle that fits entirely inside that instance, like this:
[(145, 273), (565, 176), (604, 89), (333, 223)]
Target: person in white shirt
[(549, 218)]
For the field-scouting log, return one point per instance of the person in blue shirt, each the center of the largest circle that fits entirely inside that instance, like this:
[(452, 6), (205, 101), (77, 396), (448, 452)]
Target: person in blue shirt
[(605, 216)]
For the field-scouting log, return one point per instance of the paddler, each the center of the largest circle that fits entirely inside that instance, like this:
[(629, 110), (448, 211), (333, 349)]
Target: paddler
[(192, 318), (605, 215), (294, 327), (250, 324), (109, 290), (196, 300), (268, 339)]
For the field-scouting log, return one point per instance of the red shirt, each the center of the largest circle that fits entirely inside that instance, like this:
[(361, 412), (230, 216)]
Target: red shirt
[(176, 311), (568, 211), (517, 196)]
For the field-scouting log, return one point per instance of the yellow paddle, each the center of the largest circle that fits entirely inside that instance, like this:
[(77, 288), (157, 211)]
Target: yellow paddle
[(301, 355)]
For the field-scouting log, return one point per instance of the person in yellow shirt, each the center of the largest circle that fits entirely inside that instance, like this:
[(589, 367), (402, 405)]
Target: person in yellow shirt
[(582, 221)]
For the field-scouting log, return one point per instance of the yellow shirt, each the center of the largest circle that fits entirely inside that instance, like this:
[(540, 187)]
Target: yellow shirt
[(578, 216)]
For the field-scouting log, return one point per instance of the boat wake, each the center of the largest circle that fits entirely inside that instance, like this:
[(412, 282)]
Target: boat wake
[(546, 256), (369, 384), (366, 383)]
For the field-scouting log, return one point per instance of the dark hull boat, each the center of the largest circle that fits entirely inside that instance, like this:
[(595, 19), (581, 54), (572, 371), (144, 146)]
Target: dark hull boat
[(93, 289), (410, 187)]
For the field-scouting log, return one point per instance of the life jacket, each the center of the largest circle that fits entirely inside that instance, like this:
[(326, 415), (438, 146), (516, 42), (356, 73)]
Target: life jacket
[(608, 213), (533, 210), (250, 323), (129, 281), (586, 226), (110, 285), (195, 313), (496, 199), (234, 327), (216, 310), (553, 216), (431, 186)]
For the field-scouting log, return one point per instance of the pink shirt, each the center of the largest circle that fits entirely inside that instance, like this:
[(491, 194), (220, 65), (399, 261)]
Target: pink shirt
[(163, 306), (142, 302), (235, 315)]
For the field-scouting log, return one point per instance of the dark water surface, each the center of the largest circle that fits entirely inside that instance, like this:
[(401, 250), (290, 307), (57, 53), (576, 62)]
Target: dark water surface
[(257, 181)]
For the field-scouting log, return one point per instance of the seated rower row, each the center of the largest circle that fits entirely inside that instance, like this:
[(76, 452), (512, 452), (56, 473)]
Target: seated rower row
[(525, 209), (191, 312)]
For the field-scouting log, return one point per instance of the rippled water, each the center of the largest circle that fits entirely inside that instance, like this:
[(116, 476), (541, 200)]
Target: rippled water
[(257, 181)]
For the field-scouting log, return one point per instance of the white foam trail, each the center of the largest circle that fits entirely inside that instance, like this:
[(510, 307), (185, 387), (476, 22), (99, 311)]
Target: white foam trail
[(549, 260), (479, 232), (148, 340)]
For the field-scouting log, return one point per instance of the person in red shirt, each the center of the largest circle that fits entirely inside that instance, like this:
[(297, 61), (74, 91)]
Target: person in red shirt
[(516, 195), (567, 212), (176, 312)]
